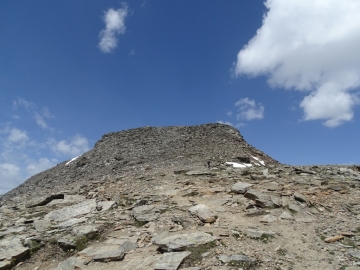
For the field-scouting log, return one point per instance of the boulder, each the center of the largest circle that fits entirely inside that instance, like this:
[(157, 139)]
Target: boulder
[(203, 212), (180, 242), (72, 211), (240, 187), (261, 199)]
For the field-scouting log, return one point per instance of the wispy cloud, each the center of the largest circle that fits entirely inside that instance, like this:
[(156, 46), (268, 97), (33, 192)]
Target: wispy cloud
[(114, 26), (247, 109), (311, 46), (75, 146), (40, 116)]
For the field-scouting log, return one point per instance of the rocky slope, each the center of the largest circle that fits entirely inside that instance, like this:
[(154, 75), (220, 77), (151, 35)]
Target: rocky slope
[(135, 151), (172, 211)]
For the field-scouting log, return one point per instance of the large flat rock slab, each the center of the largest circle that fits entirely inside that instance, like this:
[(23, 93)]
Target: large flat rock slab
[(40, 201), (180, 242), (104, 253), (72, 211), (171, 260), (147, 212), (11, 249)]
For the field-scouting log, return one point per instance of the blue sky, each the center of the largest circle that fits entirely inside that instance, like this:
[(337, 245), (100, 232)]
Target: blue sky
[(285, 73)]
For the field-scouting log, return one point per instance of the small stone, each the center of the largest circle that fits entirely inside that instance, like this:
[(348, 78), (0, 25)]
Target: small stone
[(333, 239), (268, 219), (286, 215)]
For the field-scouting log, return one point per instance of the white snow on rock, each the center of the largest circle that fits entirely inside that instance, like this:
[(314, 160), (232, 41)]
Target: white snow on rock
[(67, 163), (259, 160), (239, 165)]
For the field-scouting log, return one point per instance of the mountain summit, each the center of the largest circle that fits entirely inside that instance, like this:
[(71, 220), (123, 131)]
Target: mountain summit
[(141, 150)]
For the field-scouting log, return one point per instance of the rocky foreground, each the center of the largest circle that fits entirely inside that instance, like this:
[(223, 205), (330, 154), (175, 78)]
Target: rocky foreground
[(239, 215), (275, 217)]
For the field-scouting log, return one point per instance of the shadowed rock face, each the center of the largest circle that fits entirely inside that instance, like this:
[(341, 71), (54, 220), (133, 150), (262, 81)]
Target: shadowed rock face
[(145, 149)]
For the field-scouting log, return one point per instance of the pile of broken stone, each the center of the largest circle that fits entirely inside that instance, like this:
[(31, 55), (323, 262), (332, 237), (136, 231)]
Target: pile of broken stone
[(273, 217)]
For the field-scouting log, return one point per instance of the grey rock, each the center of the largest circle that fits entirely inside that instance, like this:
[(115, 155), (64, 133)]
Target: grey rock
[(258, 234), (286, 215), (106, 205), (186, 223), (67, 242), (305, 220), (354, 254), (71, 222), (171, 260), (181, 241), (197, 173), (241, 187), (87, 230), (72, 211), (69, 264), (268, 219), (5, 265), (261, 199), (294, 207), (42, 225), (147, 212), (40, 201), (104, 253), (68, 199), (203, 212), (237, 258), (128, 246), (11, 248), (300, 197)]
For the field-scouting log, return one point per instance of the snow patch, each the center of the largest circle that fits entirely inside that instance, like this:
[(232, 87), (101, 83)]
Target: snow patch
[(259, 160), (67, 163), (239, 165)]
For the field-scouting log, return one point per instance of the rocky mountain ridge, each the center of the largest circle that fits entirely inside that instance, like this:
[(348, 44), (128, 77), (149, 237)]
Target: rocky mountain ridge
[(244, 210), (137, 151)]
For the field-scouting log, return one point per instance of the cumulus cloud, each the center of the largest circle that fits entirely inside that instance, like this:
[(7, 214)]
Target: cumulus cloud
[(309, 45), (41, 165), (10, 175), (74, 147), (247, 109), (114, 25), (16, 135)]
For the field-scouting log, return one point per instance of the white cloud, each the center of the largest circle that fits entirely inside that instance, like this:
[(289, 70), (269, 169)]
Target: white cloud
[(309, 45), (32, 108), (114, 25), (76, 146), (225, 123), (249, 110), (10, 175), (16, 135), (41, 165), (20, 102)]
